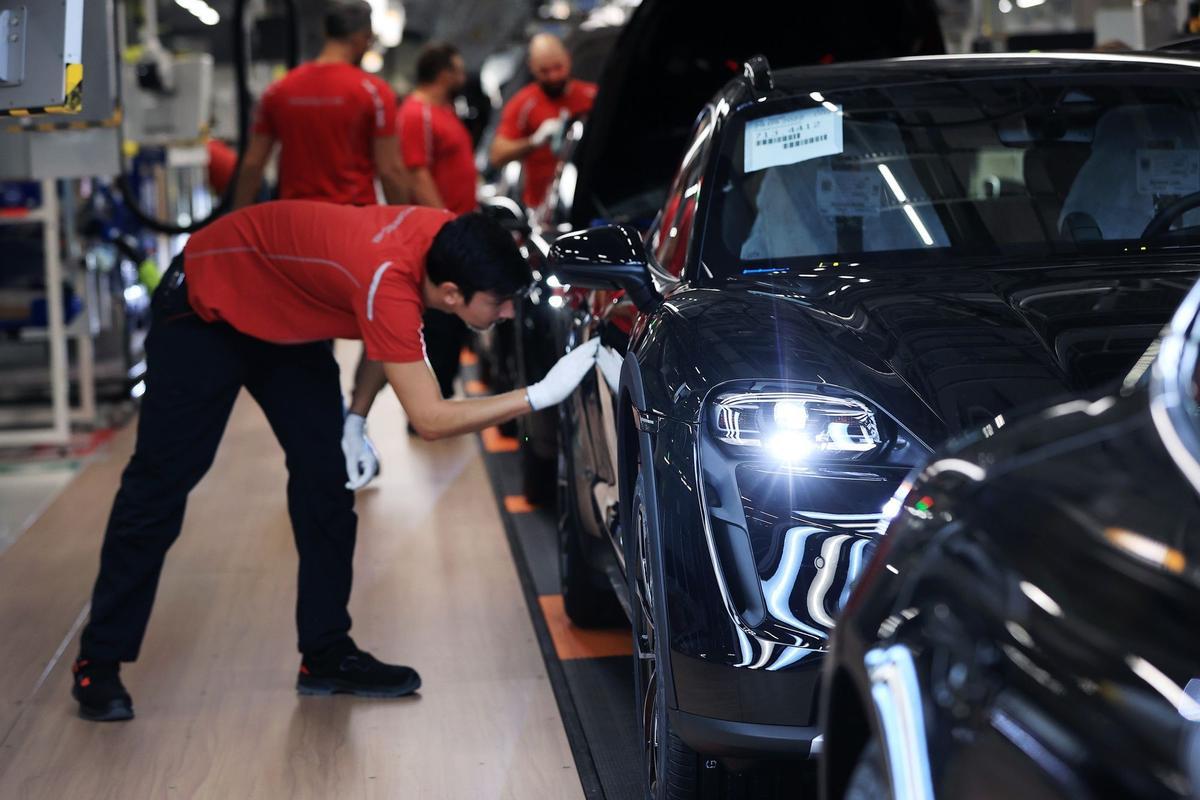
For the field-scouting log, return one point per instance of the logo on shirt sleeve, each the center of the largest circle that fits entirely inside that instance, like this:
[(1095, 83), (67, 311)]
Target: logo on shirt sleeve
[(382, 268), (390, 228), (377, 100)]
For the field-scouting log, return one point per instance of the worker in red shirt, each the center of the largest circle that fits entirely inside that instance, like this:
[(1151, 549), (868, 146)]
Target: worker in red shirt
[(534, 116), (436, 149), (253, 302), (335, 124), (336, 130), (222, 161), (435, 145)]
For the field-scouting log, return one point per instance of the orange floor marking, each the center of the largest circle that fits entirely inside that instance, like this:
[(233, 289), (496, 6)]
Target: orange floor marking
[(496, 442), (476, 387), (517, 504), (467, 358), (573, 643)]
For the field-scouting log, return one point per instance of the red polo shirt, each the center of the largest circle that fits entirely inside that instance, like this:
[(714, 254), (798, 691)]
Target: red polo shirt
[(433, 137), (222, 160), (326, 118), (528, 109), (297, 271)]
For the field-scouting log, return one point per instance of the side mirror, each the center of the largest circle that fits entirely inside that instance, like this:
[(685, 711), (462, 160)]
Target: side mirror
[(611, 257), (506, 211)]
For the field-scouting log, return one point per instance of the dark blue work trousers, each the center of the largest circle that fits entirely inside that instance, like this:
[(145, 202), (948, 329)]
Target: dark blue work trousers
[(194, 372)]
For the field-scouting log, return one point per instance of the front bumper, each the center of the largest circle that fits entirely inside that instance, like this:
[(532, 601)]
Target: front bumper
[(722, 738), (752, 588), (754, 694)]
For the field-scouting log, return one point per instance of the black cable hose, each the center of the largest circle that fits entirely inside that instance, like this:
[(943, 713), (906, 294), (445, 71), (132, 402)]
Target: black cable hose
[(244, 101)]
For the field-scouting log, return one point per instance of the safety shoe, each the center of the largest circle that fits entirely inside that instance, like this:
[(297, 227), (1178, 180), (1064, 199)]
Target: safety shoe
[(98, 688), (348, 670)]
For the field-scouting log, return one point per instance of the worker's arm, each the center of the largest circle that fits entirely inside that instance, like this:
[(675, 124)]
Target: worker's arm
[(250, 174), (424, 190), (369, 379), (390, 169), (435, 417), (505, 149)]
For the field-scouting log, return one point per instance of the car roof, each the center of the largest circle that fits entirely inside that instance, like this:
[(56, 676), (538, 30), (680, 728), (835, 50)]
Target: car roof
[(982, 65)]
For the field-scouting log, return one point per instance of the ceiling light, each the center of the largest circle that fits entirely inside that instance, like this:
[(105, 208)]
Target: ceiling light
[(372, 61), (200, 10), (892, 183), (918, 225)]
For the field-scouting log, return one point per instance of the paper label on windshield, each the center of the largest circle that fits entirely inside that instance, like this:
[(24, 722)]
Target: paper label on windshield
[(793, 137), (1175, 172), (842, 193)]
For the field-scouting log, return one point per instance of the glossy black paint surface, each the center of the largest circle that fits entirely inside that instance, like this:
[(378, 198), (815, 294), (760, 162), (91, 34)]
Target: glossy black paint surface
[(944, 349), (758, 559), (1050, 593)]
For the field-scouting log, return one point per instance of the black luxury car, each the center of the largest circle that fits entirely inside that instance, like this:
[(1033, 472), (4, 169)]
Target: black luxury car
[(616, 164), (1027, 628), (854, 263)]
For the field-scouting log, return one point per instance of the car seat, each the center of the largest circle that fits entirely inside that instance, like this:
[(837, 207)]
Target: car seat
[(790, 220), (1104, 202)]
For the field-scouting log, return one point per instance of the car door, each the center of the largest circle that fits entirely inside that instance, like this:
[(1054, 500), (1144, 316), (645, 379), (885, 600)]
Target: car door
[(612, 314)]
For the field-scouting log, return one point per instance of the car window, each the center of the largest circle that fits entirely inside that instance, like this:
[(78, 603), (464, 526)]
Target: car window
[(1024, 167), (672, 233)]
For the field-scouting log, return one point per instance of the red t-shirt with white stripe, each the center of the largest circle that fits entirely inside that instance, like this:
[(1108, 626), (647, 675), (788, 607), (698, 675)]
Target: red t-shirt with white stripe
[(295, 271), (432, 136), (326, 117), (522, 116)]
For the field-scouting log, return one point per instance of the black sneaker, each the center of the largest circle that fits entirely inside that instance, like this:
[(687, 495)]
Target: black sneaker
[(97, 686), (349, 670)]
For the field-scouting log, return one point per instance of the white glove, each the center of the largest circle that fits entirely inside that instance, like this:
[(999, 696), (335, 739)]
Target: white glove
[(546, 131), (563, 377), (610, 362), (362, 462)]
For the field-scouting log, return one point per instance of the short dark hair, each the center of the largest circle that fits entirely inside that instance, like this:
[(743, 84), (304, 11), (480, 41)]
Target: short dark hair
[(477, 255), (434, 57), (344, 18)]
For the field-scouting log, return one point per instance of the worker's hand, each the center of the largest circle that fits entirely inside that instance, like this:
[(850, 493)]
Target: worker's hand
[(564, 376), (362, 462), (546, 131), (610, 362)]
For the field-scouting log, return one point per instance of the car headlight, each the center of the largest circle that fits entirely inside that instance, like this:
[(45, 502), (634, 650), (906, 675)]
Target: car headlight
[(796, 426)]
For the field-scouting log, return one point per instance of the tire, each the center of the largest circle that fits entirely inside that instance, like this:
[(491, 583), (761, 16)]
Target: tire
[(538, 434), (671, 769), (537, 474), (869, 780), (588, 598)]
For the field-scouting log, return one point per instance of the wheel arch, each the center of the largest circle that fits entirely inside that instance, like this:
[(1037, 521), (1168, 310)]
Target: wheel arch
[(636, 439)]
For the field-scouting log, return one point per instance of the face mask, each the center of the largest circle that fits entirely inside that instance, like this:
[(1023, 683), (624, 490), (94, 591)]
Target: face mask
[(553, 89)]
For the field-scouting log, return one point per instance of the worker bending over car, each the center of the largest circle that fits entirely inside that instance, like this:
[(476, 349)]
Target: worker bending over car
[(252, 302)]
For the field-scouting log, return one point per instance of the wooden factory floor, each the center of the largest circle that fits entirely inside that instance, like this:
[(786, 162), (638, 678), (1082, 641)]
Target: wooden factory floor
[(217, 715)]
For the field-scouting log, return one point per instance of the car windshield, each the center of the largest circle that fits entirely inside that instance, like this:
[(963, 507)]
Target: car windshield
[(1019, 166)]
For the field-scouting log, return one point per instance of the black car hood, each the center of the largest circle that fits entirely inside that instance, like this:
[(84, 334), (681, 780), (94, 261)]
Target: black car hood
[(943, 350)]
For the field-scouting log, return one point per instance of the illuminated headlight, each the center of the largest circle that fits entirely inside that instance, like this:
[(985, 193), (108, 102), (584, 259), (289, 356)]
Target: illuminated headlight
[(794, 426)]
